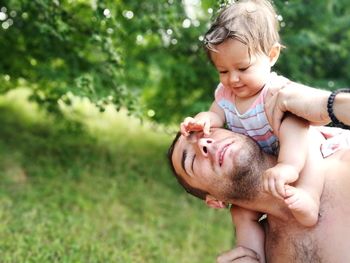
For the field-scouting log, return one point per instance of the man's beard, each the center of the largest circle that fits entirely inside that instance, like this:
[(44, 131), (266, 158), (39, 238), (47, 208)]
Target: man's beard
[(246, 182)]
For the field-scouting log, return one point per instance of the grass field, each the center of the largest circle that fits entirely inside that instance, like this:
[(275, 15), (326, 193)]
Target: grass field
[(95, 190)]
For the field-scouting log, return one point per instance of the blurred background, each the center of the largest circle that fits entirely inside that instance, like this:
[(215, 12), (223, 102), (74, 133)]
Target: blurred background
[(91, 93)]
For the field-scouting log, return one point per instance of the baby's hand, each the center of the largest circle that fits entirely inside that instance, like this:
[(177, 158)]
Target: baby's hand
[(275, 178), (194, 125)]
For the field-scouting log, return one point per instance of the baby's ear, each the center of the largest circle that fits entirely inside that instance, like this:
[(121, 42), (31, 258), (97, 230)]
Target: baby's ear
[(274, 53), (214, 203)]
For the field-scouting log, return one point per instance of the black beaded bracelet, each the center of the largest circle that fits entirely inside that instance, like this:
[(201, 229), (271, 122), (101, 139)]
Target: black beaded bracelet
[(330, 103)]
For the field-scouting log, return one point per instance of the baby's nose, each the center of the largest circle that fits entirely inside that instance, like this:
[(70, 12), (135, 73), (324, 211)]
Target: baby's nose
[(234, 77)]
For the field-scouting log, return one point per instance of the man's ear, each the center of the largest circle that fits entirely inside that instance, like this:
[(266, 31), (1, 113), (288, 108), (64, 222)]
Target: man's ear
[(214, 203), (274, 53)]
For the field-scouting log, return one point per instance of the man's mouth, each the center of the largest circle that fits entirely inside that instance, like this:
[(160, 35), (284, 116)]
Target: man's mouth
[(222, 153)]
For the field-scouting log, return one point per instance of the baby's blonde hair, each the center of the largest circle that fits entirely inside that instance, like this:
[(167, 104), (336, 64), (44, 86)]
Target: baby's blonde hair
[(252, 22)]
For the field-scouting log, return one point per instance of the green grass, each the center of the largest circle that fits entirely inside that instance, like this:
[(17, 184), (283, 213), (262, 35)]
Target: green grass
[(95, 190)]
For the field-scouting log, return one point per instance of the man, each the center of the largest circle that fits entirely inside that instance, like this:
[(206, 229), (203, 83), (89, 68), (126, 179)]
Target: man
[(226, 168)]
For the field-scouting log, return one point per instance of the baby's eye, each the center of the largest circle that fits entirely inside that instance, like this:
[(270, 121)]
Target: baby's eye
[(223, 71), (243, 69)]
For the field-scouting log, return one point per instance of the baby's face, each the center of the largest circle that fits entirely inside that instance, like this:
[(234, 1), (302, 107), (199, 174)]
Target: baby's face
[(244, 74)]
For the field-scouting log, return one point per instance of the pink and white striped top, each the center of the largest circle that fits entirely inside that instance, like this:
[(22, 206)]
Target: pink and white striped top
[(252, 123)]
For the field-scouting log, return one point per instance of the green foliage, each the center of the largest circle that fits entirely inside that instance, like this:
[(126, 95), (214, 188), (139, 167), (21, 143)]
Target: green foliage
[(61, 46), (317, 40), (147, 56)]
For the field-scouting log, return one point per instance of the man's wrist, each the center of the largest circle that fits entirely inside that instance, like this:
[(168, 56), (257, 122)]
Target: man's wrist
[(341, 102), (337, 97)]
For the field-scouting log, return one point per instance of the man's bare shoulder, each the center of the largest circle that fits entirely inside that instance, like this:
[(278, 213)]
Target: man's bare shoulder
[(342, 157), (337, 172), (345, 156)]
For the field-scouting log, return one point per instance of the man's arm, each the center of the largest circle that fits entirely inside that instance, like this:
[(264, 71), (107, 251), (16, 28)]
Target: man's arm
[(249, 232), (308, 103), (305, 102), (238, 255)]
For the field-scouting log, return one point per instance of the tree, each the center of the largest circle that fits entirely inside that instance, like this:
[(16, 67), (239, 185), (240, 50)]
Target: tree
[(147, 56)]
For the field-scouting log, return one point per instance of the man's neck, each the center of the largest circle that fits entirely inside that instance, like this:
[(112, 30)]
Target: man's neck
[(265, 202)]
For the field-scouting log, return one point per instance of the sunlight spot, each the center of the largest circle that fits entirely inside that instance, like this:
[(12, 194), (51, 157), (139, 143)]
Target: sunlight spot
[(186, 23), (5, 25), (196, 23), (107, 13), (174, 41), (3, 9), (110, 30), (151, 113), (128, 14), (169, 31), (3, 16), (7, 77), (194, 48), (33, 62), (331, 84), (279, 18), (201, 38), (139, 40), (210, 10)]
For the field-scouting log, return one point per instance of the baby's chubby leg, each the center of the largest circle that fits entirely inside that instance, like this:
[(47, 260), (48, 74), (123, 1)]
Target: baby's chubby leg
[(303, 199), (303, 205)]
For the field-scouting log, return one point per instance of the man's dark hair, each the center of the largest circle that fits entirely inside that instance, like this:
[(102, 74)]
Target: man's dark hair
[(189, 189)]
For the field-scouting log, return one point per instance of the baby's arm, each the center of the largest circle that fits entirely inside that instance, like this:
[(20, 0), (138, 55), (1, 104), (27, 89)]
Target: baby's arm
[(249, 232), (293, 139), (203, 121)]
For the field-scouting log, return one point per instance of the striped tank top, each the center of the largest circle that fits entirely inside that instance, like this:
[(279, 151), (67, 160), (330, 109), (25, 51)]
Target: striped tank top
[(252, 123)]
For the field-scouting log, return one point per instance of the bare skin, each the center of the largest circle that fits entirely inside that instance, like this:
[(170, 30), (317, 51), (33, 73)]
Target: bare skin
[(287, 241), (245, 76), (329, 240), (305, 102)]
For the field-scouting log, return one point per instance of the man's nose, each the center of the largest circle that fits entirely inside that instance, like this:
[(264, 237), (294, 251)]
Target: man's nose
[(205, 145)]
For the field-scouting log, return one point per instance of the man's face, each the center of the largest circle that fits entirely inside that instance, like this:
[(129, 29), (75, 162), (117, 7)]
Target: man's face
[(213, 163)]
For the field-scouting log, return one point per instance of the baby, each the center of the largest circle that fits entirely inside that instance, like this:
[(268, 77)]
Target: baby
[(243, 44)]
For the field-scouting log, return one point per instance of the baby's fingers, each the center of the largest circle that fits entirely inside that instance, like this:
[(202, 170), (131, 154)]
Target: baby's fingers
[(271, 186), (188, 120), (206, 127), (183, 129), (280, 188), (187, 126)]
